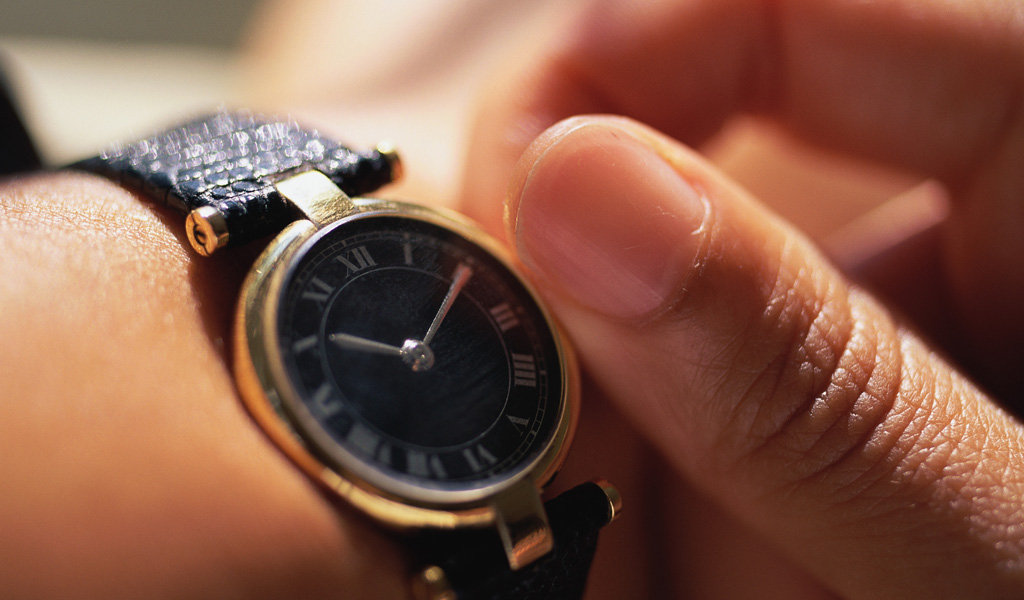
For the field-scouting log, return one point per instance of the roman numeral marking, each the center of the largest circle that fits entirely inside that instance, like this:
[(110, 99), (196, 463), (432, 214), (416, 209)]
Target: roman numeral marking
[(525, 371), (435, 466), (407, 248), (504, 317), (518, 422), (304, 344), (364, 439), (323, 404), (417, 463), (356, 259), (384, 454), (480, 459), (320, 294)]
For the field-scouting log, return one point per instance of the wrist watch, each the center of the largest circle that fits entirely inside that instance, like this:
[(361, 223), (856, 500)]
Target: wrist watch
[(390, 350)]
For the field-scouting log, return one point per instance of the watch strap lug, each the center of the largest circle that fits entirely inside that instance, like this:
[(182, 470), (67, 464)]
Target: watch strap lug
[(315, 196), (522, 525), (470, 565)]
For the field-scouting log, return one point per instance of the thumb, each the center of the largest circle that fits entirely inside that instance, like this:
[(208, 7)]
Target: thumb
[(788, 395)]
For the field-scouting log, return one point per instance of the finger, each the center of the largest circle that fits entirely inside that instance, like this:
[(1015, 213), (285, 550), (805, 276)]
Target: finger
[(895, 251), (790, 396), (869, 78)]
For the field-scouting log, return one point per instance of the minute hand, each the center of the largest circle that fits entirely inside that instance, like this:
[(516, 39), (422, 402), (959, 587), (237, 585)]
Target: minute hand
[(459, 279)]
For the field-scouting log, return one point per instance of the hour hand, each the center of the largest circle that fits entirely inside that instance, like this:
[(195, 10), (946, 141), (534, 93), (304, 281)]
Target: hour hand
[(353, 342)]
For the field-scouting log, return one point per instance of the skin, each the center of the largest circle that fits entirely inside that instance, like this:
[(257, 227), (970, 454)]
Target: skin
[(775, 429), (138, 473)]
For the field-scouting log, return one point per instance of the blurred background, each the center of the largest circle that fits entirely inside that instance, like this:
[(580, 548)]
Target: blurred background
[(89, 72), (183, 22), (85, 73)]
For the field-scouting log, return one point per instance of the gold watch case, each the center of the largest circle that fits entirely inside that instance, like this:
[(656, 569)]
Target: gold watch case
[(511, 505)]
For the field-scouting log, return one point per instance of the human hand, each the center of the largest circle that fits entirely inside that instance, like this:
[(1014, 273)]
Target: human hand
[(766, 378)]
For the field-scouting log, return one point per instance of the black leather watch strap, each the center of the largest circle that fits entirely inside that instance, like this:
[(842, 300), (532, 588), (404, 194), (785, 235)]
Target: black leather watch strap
[(229, 161), (476, 568)]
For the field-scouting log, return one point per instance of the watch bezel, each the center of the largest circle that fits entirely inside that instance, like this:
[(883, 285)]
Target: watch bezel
[(273, 401)]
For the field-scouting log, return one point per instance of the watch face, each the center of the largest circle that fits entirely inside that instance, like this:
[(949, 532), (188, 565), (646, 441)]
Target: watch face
[(416, 356)]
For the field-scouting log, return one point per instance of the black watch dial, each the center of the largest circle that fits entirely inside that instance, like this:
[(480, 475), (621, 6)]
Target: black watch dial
[(418, 353)]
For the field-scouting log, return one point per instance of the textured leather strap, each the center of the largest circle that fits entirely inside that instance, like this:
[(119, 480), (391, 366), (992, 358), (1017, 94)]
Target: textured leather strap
[(230, 161), (475, 564)]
